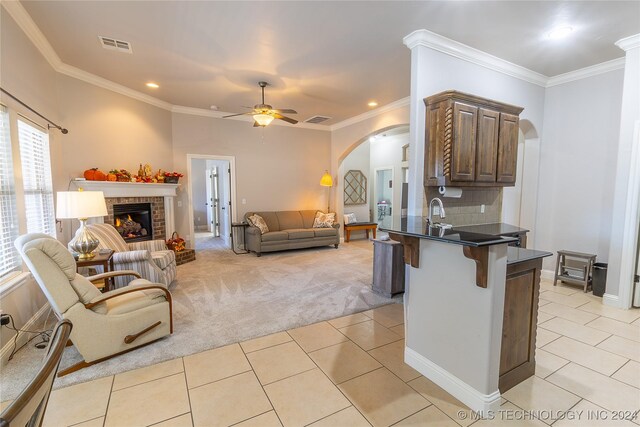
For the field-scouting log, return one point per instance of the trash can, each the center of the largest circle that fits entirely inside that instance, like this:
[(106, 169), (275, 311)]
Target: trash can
[(599, 278)]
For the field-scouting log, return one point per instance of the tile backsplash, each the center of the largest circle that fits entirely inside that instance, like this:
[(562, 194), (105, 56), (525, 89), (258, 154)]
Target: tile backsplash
[(466, 209)]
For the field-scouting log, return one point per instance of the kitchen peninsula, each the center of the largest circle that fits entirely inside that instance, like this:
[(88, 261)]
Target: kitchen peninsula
[(471, 305)]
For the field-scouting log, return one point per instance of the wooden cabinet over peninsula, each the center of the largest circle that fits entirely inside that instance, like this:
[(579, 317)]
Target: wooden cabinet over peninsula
[(470, 141)]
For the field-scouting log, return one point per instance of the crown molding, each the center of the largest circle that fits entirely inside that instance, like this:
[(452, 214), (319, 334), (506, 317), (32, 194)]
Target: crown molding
[(31, 30), (462, 51), (583, 73), (90, 78), (180, 109), (373, 113), (630, 42)]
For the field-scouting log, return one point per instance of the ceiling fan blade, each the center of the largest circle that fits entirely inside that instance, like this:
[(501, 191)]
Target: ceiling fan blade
[(285, 111), (239, 114), (286, 119)]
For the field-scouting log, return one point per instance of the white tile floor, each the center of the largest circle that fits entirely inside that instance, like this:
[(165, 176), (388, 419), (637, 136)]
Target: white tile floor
[(349, 372)]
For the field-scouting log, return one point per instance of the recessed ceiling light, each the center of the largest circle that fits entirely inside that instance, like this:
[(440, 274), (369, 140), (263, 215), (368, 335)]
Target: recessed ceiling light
[(372, 104), (560, 32), (153, 85)]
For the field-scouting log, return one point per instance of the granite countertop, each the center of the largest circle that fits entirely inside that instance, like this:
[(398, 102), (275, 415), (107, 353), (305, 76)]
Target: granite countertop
[(416, 226), (494, 229), (516, 255)]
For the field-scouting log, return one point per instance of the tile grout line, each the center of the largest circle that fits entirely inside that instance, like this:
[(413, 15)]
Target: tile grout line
[(625, 364), (148, 381), (567, 410), (411, 415), (579, 364), (255, 416), (168, 419), (86, 421), (263, 389), (269, 346), (186, 381), (220, 379), (106, 411)]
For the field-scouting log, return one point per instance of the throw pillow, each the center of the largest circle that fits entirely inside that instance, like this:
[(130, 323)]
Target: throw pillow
[(324, 220), (350, 218), (257, 221)]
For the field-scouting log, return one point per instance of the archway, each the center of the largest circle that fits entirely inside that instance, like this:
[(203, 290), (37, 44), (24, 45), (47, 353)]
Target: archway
[(357, 157)]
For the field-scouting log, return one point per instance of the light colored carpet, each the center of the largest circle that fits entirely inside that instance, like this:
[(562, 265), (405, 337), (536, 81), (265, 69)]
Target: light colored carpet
[(223, 298)]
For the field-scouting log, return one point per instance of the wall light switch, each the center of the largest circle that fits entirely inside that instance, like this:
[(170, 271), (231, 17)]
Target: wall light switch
[(179, 203), (244, 201), (481, 208)]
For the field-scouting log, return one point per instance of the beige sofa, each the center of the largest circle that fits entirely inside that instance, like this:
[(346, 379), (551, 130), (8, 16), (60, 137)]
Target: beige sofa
[(289, 230)]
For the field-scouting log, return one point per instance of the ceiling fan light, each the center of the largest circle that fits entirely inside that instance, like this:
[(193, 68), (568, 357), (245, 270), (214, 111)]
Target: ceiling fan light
[(263, 119)]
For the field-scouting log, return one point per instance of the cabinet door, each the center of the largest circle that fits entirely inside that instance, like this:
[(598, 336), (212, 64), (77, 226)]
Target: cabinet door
[(508, 148), (465, 122), (487, 146)]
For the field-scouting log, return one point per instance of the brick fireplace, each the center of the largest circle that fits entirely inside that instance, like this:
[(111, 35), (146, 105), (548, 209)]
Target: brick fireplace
[(157, 212)]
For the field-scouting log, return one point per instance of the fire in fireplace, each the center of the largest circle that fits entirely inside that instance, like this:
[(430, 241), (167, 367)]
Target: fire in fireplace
[(133, 221)]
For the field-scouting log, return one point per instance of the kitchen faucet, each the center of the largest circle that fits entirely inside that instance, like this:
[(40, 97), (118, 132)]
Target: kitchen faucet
[(442, 214)]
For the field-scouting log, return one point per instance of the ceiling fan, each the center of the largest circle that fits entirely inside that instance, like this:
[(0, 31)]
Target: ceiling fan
[(263, 114)]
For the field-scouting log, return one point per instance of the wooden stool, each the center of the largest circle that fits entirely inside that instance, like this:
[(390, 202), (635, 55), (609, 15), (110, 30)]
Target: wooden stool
[(348, 228), (577, 274)]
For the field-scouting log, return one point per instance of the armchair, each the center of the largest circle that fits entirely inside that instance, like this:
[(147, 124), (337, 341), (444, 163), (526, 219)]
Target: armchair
[(151, 259), (104, 325)]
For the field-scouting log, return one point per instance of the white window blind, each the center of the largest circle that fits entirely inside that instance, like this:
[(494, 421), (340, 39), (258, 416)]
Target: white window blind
[(9, 258), (36, 179)]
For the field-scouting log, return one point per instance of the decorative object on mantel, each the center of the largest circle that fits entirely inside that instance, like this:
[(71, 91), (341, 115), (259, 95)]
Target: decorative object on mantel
[(122, 175), (172, 177), (94, 174), (82, 205), (176, 243)]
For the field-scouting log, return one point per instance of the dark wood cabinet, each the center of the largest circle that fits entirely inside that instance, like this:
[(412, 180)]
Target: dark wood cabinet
[(470, 141), (517, 354)]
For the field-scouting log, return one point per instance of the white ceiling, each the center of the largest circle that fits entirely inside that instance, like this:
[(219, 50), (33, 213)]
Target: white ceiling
[(322, 57)]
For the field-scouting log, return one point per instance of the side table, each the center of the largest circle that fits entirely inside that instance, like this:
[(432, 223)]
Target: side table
[(236, 233), (103, 258)]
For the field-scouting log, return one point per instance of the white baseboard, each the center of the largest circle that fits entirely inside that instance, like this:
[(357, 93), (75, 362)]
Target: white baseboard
[(477, 401), (612, 300), (23, 337), (547, 274)]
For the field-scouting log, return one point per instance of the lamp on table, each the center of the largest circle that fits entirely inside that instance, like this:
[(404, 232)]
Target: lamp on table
[(82, 205)]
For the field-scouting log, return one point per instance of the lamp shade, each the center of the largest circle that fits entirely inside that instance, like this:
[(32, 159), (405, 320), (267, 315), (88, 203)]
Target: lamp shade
[(263, 119), (80, 204), (326, 180)]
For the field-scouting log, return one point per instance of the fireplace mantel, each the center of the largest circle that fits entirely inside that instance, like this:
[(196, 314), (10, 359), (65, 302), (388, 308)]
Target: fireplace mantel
[(116, 189), (129, 189)]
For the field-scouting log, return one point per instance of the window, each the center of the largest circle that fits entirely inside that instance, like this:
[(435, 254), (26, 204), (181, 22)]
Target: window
[(9, 258), (36, 179)]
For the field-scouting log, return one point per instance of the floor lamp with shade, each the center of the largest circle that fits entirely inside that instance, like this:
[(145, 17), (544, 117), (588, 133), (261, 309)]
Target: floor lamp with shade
[(327, 181), (82, 205)]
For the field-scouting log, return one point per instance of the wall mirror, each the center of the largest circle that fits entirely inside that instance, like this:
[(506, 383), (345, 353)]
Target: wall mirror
[(355, 188)]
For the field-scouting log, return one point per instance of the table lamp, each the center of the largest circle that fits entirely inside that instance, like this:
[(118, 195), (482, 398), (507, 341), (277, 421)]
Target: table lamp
[(327, 181), (82, 205)]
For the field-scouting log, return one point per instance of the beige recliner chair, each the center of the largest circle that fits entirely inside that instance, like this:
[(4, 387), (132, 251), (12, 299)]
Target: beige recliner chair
[(151, 259), (104, 325)]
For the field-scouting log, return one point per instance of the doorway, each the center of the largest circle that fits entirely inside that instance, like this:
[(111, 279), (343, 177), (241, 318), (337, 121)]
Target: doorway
[(383, 196), (211, 181)]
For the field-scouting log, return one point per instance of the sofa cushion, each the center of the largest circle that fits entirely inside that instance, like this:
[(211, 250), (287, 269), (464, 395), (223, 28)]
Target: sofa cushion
[(300, 233), (257, 221), (324, 220), (271, 219), (289, 220), (163, 258), (308, 217), (324, 232), (273, 236)]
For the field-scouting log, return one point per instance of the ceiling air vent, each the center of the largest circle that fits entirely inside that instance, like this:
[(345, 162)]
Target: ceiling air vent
[(113, 44), (317, 119)]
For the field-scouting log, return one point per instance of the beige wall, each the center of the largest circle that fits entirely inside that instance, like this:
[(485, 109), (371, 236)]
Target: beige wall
[(277, 168), (108, 130)]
